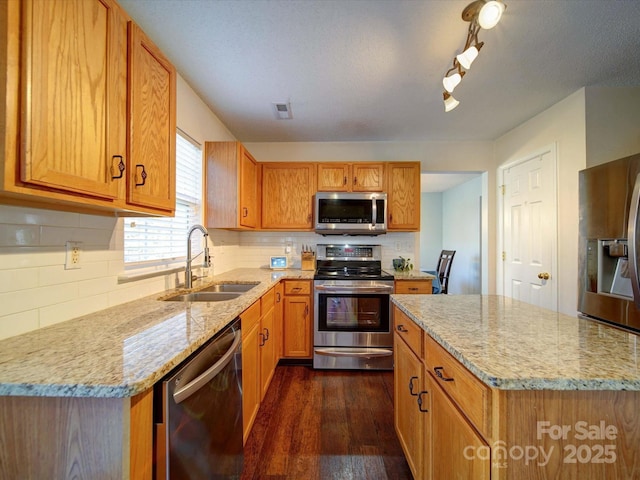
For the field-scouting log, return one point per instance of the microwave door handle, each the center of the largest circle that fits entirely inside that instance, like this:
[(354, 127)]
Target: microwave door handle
[(374, 211), (632, 236)]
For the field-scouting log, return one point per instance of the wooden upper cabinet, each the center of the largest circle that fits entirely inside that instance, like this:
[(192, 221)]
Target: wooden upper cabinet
[(87, 99), (152, 125), (403, 184), (73, 95), (287, 192), (231, 186), (350, 177), (248, 190), (367, 177), (334, 177)]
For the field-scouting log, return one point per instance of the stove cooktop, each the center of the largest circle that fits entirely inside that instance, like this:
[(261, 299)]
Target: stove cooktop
[(351, 273)]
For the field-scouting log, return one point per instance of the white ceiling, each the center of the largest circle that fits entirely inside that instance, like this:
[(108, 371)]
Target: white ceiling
[(371, 70)]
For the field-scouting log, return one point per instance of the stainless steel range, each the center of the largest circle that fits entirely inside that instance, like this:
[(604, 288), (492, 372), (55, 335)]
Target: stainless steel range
[(352, 311)]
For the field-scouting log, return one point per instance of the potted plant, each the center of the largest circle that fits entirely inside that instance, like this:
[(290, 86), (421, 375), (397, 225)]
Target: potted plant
[(402, 264)]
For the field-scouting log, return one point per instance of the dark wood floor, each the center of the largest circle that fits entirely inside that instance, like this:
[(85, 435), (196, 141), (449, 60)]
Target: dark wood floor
[(326, 424)]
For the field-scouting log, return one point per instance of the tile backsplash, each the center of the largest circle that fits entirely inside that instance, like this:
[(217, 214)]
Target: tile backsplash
[(36, 290)]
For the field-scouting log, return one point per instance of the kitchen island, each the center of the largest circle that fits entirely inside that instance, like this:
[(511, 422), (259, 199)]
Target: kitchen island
[(511, 391)]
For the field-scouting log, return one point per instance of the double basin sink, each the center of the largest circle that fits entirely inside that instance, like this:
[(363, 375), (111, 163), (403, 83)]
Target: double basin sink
[(214, 293)]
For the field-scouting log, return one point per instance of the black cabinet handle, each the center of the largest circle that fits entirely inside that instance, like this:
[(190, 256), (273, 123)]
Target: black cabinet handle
[(266, 335), (411, 385), (245, 211), (143, 175), (263, 340), (120, 166), (438, 371), (401, 328), (423, 410)]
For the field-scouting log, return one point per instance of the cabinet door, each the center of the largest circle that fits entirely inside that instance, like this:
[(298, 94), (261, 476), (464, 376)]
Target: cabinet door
[(334, 177), (409, 420), (404, 196), (278, 314), (367, 177), (298, 328), (457, 450), (248, 190), (250, 378), (152, 125), (287, 191), (73, 95), (267, 351)]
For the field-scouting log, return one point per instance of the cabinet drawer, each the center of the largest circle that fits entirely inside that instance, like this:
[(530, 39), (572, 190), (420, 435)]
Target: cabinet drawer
[(297, 287), (249, 318), (413, 286), (469, 393), (407, 329), (268, 300)]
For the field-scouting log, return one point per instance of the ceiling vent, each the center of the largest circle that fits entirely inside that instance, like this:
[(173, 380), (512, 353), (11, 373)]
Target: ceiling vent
[(283, 111)]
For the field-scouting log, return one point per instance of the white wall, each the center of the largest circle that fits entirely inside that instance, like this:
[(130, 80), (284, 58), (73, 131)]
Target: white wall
[(461, 231), (592, 126), (430, 230), (564, 125), (612, 124), (36, 290)]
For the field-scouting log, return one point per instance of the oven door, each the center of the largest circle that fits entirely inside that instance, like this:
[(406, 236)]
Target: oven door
[(352, 325)]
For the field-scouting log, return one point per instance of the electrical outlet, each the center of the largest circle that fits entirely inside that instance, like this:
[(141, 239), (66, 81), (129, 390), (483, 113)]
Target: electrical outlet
[(72, 260)]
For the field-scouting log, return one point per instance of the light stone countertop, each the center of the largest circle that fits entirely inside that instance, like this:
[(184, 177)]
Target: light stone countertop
[(412, 275), (123, 350), (512, 345)]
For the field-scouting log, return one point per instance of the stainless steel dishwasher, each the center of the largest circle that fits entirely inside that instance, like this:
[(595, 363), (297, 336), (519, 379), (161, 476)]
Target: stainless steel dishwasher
[(199, 413)]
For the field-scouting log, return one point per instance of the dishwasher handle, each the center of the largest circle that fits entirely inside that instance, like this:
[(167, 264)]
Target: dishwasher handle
[(197, 383)]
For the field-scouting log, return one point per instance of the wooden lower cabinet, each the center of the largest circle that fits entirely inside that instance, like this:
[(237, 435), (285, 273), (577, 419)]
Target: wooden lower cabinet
[(268, 342), (414, 286), (410, 422), (250, 325), (260, 355), (457, 450), (66, 437), (297, 319)]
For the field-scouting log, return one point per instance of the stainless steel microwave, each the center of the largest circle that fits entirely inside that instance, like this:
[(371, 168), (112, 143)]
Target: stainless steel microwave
[(340, 213)]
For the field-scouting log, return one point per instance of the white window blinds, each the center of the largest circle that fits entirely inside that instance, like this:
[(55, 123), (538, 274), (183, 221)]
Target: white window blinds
[(151, 240)]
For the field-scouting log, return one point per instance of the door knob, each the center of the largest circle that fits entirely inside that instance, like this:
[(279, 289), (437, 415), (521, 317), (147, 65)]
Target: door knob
[(544, 276)]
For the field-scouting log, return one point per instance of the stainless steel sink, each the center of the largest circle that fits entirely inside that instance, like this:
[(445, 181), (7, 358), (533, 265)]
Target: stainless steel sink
[(229, 287), (203, 296)]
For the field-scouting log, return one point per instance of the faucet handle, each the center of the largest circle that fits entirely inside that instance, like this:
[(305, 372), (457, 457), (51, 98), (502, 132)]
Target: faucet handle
[(207, 258)]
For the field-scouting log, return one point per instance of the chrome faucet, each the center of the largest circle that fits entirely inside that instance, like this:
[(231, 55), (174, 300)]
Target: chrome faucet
[(207, 258)]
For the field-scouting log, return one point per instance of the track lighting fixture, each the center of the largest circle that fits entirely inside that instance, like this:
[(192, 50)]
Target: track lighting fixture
[(449, 102), (483, 14)]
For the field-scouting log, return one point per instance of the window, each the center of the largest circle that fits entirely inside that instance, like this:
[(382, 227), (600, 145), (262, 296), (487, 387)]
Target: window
[(151, 240)]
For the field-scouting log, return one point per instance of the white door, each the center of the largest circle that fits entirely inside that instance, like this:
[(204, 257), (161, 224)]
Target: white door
[(530, 230)]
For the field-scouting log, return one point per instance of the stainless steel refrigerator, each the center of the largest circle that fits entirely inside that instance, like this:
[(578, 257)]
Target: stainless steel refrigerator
[(610, 242)]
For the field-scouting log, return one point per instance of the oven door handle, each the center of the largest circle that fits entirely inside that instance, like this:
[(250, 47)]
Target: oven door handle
[(355, 289), (346, 352)]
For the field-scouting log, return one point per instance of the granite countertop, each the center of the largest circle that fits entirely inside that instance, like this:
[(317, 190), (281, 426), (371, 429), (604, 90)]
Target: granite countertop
[(512, 345), (123, 350), (412, 275)]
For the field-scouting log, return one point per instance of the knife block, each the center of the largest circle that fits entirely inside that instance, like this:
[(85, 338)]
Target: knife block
[(308, 261)]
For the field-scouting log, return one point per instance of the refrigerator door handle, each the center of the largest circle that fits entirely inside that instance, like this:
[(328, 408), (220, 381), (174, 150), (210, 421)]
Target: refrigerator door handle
[(632, 238)]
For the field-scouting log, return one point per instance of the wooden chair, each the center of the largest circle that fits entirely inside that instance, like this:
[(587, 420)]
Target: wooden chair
[(444, 268)]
